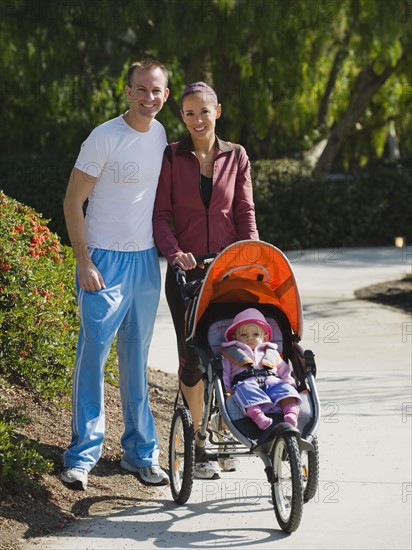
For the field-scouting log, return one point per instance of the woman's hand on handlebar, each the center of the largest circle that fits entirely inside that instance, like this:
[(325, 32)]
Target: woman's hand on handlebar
[(185, 261)]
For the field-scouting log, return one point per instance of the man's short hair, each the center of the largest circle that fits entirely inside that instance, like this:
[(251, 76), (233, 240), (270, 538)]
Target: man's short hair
[(146, 64)]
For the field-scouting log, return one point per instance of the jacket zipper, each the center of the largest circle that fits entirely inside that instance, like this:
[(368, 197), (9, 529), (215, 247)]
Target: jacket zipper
[(207, 230), (206, 211)]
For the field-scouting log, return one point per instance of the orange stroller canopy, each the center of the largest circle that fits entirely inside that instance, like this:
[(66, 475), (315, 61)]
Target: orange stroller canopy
[(250, 272)]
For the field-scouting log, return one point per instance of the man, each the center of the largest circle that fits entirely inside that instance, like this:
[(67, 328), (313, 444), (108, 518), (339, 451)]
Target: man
[(118, 275)]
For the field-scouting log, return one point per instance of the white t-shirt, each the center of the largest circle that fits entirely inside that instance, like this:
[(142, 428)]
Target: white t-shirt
[(127, 166)]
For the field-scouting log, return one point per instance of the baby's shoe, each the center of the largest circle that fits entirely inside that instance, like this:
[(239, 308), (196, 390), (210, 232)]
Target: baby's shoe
[(261, 420), (291, 414)]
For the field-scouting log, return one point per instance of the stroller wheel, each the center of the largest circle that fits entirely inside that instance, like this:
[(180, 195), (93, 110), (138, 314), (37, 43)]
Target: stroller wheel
[(310, 471), (287, 487), (181, 455)]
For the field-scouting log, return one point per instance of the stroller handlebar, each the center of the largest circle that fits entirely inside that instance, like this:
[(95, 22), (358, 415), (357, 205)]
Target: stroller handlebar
[(187, 289), (206, 259)]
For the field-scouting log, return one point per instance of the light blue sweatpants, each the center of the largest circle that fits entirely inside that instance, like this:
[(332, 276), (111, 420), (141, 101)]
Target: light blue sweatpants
[(126, 307)]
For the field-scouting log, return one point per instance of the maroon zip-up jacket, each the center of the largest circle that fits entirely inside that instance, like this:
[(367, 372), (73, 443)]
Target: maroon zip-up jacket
[(181, 223)]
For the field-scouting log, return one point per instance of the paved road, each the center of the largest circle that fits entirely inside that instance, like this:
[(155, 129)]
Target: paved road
[(364, 358)]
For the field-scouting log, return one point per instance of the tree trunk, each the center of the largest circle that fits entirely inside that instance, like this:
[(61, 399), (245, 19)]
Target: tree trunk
[(330, 86), (340, 56), (367, 84)]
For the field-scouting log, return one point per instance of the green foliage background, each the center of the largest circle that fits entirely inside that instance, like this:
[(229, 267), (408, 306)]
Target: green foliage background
[(271, 62)]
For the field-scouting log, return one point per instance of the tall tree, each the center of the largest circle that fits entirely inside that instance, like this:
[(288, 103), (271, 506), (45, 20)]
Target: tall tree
[(380, 41)]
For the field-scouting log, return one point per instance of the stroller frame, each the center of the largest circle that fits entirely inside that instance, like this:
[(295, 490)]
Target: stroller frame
[(281, 447)]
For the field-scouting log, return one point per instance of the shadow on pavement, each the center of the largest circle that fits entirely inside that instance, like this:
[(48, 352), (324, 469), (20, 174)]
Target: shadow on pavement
[(159, 522)]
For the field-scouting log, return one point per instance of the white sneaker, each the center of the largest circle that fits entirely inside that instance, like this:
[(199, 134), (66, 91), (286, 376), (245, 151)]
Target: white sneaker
[(151, 475), (75, 478), (206, 470), (226, 464)]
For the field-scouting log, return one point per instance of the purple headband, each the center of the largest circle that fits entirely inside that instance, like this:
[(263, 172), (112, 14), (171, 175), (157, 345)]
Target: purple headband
[(200, 87)]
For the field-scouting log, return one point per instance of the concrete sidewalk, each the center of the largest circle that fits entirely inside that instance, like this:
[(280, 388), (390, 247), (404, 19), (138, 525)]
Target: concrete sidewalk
[(364, 358)]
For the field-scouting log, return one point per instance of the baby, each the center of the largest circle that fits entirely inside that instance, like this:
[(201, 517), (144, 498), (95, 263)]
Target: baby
[(255, 373)]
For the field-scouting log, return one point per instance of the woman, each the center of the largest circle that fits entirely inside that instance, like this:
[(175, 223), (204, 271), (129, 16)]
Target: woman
[(205, 194)]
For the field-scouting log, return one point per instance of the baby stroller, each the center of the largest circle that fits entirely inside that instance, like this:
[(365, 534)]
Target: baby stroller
[(249, 274)]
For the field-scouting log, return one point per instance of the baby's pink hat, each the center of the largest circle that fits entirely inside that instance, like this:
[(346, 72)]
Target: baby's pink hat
[(246, 316)]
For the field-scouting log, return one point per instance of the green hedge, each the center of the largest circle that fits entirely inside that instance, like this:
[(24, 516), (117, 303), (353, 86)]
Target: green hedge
[(21, 465), (38, 309), (293, 209), (296, 211)]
